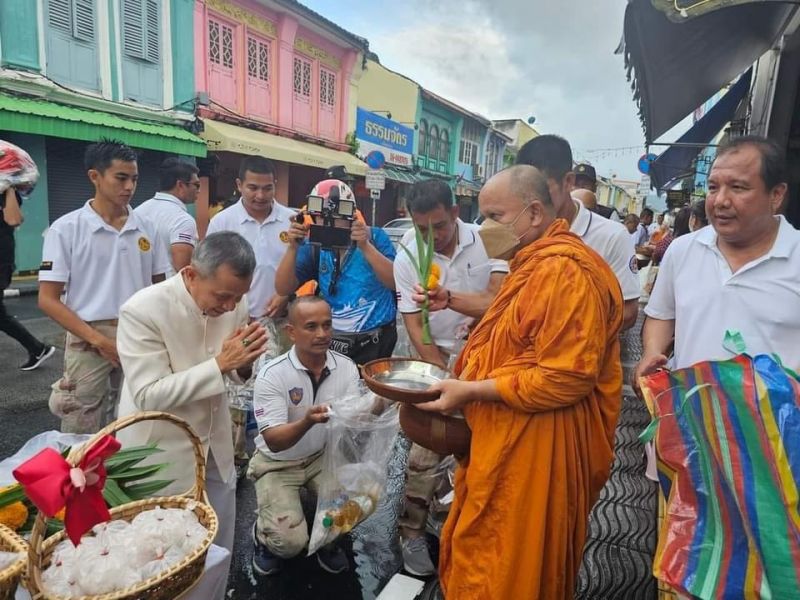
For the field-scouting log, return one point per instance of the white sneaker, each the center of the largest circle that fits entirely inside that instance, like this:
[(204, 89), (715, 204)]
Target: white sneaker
[(417, 557)]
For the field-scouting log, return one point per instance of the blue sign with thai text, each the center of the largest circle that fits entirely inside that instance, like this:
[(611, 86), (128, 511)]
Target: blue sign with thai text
[(376, 132)]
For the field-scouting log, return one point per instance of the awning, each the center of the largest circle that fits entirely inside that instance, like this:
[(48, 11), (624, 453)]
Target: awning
[(232, 138), (679, 12), (41, 117), (674, 162), (678, 66), (401, 175)]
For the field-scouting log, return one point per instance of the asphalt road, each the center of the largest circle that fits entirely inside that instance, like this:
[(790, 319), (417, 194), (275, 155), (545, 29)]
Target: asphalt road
[(23, 395)]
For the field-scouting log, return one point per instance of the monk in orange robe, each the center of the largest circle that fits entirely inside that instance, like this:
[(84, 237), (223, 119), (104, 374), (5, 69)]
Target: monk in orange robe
[(540, 384)]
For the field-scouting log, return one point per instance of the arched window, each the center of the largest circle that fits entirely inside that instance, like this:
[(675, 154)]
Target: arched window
[(423, 138), (433, 145), (444, 148)]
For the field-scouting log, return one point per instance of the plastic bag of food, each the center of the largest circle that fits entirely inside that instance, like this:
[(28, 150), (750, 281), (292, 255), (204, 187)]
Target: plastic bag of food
[(9, 558), (17, 168), (359, 439)]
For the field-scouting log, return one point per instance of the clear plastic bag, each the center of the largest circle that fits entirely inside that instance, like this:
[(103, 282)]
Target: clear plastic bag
[(17, 168), (49, 439), (9, 558), (359, 440), (403, 348)]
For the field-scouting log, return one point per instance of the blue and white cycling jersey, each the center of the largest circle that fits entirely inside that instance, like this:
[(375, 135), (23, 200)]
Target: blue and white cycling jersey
[(360, 302)]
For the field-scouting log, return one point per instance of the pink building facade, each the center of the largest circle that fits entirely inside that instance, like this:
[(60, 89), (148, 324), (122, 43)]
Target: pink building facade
[(264, 63)]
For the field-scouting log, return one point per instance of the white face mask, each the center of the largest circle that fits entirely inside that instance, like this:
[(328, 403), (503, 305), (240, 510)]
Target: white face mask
[(499, 239)]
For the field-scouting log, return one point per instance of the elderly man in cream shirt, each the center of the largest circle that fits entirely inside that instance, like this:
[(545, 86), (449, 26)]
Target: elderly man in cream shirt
[(176, 342)]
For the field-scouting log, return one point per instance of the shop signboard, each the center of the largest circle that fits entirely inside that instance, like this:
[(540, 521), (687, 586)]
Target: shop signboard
[(375, 132)]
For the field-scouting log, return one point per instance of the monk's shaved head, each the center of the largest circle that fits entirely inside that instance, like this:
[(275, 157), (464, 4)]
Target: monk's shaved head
[(585, 197), (298, 305), (524, 182)]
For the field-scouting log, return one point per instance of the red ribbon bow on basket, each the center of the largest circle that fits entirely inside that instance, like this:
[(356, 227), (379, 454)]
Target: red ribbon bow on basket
[(51, 483)]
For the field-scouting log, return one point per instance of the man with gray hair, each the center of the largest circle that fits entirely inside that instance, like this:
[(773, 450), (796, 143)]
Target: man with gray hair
[(177, 341)]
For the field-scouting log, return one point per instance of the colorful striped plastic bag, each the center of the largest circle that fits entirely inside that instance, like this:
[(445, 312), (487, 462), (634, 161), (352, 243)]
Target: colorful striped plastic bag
[(727, 435)]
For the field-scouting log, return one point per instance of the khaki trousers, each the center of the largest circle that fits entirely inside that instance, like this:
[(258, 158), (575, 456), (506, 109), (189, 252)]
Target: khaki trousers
[(281, 523), (86, 398), (422, 479)]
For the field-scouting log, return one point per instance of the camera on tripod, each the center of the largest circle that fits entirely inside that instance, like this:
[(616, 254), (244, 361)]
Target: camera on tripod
[(332, 219)]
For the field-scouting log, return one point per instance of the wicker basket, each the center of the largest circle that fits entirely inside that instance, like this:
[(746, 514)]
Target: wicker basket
[(10, 576), (171, 583)]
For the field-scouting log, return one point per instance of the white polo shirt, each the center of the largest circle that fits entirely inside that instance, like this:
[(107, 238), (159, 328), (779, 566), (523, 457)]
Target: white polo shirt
[(696, 288), (468, 270), (284, 391), (267, 243), (100, 266), (613, 242), (173, 222)]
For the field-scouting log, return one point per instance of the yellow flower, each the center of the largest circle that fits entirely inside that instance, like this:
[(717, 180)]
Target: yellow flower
[(14, 515), (433, 278)]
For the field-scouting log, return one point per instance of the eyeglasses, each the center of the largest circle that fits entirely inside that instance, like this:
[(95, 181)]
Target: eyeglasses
[(196, 184)]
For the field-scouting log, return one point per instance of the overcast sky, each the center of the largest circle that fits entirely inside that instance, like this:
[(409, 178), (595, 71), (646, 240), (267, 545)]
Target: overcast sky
[(513, 58)]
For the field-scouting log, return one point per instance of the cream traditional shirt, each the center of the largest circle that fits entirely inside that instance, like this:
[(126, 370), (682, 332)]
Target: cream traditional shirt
[(168, 350)]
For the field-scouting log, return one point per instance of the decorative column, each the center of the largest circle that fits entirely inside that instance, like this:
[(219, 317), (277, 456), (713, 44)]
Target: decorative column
[(287, 30), (350, 81)]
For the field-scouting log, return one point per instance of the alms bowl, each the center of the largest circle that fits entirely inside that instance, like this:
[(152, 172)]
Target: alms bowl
[(403, 379)]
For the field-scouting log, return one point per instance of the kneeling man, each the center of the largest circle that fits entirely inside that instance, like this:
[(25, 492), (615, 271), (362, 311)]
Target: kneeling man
[(291, 398), (176, 341)]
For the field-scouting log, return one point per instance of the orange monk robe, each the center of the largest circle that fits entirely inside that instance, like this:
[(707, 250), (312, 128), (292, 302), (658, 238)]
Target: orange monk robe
[(539, 458)]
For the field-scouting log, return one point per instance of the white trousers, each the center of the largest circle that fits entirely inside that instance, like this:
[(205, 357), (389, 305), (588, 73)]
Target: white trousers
[(222, 497)]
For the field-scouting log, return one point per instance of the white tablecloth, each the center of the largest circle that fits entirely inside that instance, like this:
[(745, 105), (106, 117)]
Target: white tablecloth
[(211, 585)]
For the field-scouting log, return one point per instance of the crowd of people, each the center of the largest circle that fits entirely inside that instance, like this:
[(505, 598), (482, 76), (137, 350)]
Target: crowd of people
[(527, 313)]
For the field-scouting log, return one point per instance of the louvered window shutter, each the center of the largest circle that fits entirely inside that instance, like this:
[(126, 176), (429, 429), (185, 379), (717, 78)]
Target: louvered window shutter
[(153, 31), (132, 28), (60, 15), (141, 29), (83, 21)]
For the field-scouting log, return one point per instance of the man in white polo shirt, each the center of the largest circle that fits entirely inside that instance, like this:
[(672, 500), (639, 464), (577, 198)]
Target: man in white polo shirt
[(552, 155), (264, 223), (292, 394), (98, 256), (177, 230), (463, 264), (464, 268), (742, 273)]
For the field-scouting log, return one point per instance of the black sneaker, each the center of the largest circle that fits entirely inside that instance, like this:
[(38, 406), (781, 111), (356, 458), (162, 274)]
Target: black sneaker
[(35, 361), (264, 561), (333, 559)]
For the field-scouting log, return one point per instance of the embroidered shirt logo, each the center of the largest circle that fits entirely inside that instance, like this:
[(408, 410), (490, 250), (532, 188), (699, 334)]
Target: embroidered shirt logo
[(296, 395), (144, 244)]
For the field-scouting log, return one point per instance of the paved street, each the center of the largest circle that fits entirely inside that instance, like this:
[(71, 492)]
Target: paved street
[(619, 548), (23, 395)]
